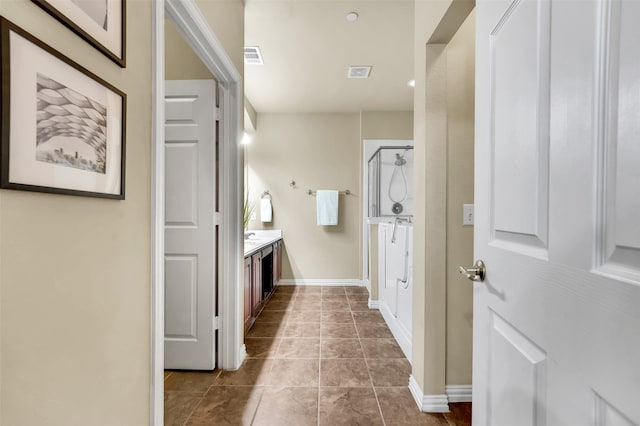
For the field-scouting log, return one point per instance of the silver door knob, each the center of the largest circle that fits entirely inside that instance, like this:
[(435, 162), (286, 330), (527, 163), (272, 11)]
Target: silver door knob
[(477, 273)]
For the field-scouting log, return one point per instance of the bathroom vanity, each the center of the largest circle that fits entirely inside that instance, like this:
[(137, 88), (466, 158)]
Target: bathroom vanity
[(262, 271)]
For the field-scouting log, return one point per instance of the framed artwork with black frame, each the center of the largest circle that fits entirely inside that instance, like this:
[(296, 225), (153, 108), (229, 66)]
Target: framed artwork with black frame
[(102, 23), (63, 127)]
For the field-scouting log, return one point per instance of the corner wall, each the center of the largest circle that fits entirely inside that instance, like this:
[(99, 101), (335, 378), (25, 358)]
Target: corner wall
[(444, 62), (75, 271), (317, 151)]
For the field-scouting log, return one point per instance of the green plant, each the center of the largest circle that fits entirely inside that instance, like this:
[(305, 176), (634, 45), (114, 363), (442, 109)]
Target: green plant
[(247, 210)]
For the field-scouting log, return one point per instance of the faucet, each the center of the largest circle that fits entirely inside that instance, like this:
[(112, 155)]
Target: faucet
[(248, 235)]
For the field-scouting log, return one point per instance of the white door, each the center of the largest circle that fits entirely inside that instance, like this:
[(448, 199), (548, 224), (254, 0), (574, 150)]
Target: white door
[(190, 237), (557, 320)]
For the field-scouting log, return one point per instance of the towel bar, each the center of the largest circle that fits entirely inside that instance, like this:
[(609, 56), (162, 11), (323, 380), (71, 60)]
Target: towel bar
[(345, 192)]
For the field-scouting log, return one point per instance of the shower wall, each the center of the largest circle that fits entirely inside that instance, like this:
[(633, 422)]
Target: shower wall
[(390, 183)]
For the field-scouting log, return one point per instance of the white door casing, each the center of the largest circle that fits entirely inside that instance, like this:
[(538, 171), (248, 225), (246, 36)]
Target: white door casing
[(557, 321), (190, 204)]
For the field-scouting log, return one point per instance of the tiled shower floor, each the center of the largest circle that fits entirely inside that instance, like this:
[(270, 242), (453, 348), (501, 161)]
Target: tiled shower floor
[(316, 356)]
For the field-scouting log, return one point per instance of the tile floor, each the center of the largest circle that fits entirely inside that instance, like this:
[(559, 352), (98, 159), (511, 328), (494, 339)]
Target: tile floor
[(316, 356)]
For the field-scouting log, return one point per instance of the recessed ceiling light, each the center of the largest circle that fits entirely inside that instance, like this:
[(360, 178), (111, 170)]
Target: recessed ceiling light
[(352, 17), (411, 83)]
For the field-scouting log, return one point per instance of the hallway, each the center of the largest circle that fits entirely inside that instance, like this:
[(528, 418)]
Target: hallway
[(316, 356)]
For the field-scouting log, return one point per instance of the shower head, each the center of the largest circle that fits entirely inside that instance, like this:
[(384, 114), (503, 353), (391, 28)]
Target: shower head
[(400, 161)]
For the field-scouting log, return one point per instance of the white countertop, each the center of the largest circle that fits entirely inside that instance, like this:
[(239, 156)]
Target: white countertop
[(260, 240)]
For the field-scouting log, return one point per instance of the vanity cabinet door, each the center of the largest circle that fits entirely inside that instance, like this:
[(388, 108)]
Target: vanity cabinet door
[(247, 292), (256, 284)]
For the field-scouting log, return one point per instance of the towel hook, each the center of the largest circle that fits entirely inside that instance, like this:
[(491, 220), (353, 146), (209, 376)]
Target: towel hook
[(266, 193)]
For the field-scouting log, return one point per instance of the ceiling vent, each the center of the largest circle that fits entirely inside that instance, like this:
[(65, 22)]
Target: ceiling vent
[(252, 56), (359, 72)]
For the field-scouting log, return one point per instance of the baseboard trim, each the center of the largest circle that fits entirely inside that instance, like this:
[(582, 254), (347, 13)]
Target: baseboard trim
[(324, 283), (374, 304), (459, 393), (428, 403)]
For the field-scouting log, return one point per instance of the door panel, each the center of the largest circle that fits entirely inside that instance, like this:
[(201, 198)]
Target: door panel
[(520, 110), (556, 322), (620, 248), (189, 225)]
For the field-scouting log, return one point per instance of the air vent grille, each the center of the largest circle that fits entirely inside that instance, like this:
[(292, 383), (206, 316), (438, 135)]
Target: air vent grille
[(252, 56), (359, 72)]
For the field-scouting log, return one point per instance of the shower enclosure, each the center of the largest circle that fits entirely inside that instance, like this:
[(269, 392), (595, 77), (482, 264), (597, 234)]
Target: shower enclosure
[(390, 190)]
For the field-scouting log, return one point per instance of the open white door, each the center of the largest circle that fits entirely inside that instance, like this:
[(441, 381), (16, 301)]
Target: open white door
[(557, 193), (190, 237)]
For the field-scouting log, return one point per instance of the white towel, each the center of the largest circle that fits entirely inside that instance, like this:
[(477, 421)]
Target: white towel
[(265, 210), (327, 206)]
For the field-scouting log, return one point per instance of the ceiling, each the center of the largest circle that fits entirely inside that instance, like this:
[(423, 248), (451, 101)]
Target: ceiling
[(307, 46)]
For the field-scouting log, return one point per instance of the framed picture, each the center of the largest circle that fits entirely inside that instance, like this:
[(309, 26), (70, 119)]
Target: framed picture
[(62, 128), (102, 23)]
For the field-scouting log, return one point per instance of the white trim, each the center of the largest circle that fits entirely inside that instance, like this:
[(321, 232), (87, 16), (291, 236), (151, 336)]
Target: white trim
[(324, 283), (194, 27), (374, 304), (157, 219), (401, 335), (459, 393), (428, 403)]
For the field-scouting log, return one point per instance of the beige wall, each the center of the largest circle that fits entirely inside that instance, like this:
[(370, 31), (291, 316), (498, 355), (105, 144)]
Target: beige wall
[(386, 124), (75, 271), (460, 124), (226, 18), (180, 61), (428, 354), (318, 151), (443, 100)]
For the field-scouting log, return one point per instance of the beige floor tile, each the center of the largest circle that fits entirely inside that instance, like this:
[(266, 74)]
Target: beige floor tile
[(266, 329), (178, 406), (333, 290), (341, 330), (306, 306), (302, 329), (251, 372), (288, 406), (399, 408), (349, 407), (227, 405), (336, 316), (191, 381), (273, 316), (368, 317), (359, 305), (341, 348), (299, 348), (279, 305), (373, 330), (261, 347), (304, 316), (330, 305), (381, 348), (359, 297), (344, 373), (294, 372), (389, 371)]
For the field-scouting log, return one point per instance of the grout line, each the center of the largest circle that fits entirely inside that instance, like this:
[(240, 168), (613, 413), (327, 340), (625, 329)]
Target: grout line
[(375, 393), (320, 359)]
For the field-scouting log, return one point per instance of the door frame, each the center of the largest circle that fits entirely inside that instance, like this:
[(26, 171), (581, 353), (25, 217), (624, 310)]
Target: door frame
[(189, 20)]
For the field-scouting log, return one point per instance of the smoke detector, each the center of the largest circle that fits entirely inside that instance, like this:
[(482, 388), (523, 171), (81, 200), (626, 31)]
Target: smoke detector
[(359, 72), (252, 55)]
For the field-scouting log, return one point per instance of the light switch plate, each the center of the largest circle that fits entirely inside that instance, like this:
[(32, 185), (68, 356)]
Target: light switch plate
[(467, 214)]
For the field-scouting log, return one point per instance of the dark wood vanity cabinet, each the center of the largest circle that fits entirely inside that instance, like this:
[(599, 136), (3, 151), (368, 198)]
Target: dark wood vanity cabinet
[(247, 292), (262, 273)]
